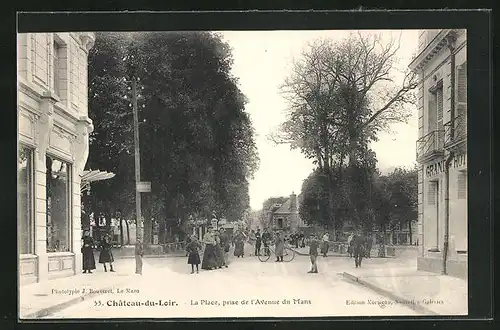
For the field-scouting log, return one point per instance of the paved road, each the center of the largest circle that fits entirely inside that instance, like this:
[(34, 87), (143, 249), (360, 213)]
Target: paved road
[(248, 288)]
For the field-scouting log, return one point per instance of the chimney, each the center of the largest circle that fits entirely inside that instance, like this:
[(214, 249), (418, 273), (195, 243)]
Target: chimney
[(293, 202)]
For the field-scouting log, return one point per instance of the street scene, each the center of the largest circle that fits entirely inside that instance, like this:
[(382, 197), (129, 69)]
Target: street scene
[(242, 174)]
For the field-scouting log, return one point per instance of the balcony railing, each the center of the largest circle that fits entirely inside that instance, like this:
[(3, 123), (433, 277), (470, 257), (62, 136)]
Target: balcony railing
[(430, 146), (458, 134)]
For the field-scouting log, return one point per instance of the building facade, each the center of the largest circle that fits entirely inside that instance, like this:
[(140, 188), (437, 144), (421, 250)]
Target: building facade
[(286, 216), (53, 131), (441, 64)]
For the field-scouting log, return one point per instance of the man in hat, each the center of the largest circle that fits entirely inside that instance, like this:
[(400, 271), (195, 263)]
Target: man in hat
[(313, 253), (358, 245), (279, 248), (266, 238)]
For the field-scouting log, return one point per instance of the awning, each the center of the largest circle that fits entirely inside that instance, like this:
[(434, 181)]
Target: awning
[(95, 175)]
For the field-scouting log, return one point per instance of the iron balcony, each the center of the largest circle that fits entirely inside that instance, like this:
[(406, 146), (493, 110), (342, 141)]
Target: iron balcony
[(455, 132), (430, 146)]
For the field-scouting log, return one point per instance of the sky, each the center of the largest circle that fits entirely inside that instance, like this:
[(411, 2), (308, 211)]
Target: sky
[(262, 60)]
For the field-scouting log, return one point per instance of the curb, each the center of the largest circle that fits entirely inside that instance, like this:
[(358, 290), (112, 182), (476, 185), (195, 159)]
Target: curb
[(415, 307), (58, 307), (44, 312)]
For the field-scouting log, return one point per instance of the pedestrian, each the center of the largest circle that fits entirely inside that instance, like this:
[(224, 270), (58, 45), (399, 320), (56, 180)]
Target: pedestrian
[(239, 244), (266, 239), (192, 249), (219, 253), (139, 253), (279, 246), (313, 253), (359, 243), (325, 243), (350, 245), (88, 253), (225, 244), (296, 239), (252, 240), (209, 261), (106, 255), (302, 239), (258, 242)]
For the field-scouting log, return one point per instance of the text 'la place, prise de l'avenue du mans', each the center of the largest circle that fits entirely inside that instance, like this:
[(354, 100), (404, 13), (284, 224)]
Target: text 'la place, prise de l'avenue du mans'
[(244, 302)]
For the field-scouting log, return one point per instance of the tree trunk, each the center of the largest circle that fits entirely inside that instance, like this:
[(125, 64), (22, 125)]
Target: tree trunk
[(381, 250), (410, 232), (121, 230), (128, 232)]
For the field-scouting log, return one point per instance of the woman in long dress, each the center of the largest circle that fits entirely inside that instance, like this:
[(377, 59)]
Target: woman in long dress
[(279, 246), (239, 244), (219, 253), (251, 242), (88, 253), (208, 262)]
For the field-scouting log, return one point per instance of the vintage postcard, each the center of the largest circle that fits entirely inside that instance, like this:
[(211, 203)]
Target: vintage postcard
[(242, 174)]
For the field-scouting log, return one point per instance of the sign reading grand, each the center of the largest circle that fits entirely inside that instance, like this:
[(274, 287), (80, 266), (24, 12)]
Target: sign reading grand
[(459, 161)]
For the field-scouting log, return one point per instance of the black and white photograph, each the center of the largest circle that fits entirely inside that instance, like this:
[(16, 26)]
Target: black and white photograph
[(229, 174)]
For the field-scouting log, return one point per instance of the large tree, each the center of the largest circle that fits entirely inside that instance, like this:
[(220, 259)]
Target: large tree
[(340, 95), (403, 185), (196, 139)]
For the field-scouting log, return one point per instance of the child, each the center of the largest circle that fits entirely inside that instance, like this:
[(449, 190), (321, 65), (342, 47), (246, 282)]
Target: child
[(313, 253), (193, 255), (138, 257), (106, 254)]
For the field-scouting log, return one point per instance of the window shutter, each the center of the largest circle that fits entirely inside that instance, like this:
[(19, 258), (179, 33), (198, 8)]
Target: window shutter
[(462, 94), (462, 83), (431, 194), (439, 104), (462, 185), (431, 111), (55, 72)]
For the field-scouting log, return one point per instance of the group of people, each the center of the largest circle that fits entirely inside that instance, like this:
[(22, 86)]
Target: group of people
[(215, 255), (105, 255)]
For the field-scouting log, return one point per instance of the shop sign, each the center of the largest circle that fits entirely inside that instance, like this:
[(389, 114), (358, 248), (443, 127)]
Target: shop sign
[(459, 161), (143, 186)]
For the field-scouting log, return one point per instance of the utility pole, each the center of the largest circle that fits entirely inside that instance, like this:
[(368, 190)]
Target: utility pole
[(137, 160)]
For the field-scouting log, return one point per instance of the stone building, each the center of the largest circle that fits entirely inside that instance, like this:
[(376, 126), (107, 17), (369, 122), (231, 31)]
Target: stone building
[(286, 216), (441, 64), (53, 142)]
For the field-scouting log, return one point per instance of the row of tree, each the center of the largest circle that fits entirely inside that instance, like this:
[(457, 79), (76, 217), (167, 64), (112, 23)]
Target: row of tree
[(389, 203), (341, 95), (197, 141)]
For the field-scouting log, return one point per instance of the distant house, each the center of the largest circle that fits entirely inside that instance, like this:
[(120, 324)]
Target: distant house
[(285, 216)]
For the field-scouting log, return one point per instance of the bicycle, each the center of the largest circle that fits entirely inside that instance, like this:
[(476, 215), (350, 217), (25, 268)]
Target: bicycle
[(266, 251)]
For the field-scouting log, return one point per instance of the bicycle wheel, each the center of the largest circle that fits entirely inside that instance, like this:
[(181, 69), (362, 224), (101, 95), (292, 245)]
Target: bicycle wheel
[(288, 255), (264, 255)]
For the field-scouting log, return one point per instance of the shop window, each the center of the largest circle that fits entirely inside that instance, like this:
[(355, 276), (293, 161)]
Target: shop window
[(25, 221), (58, 205)]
